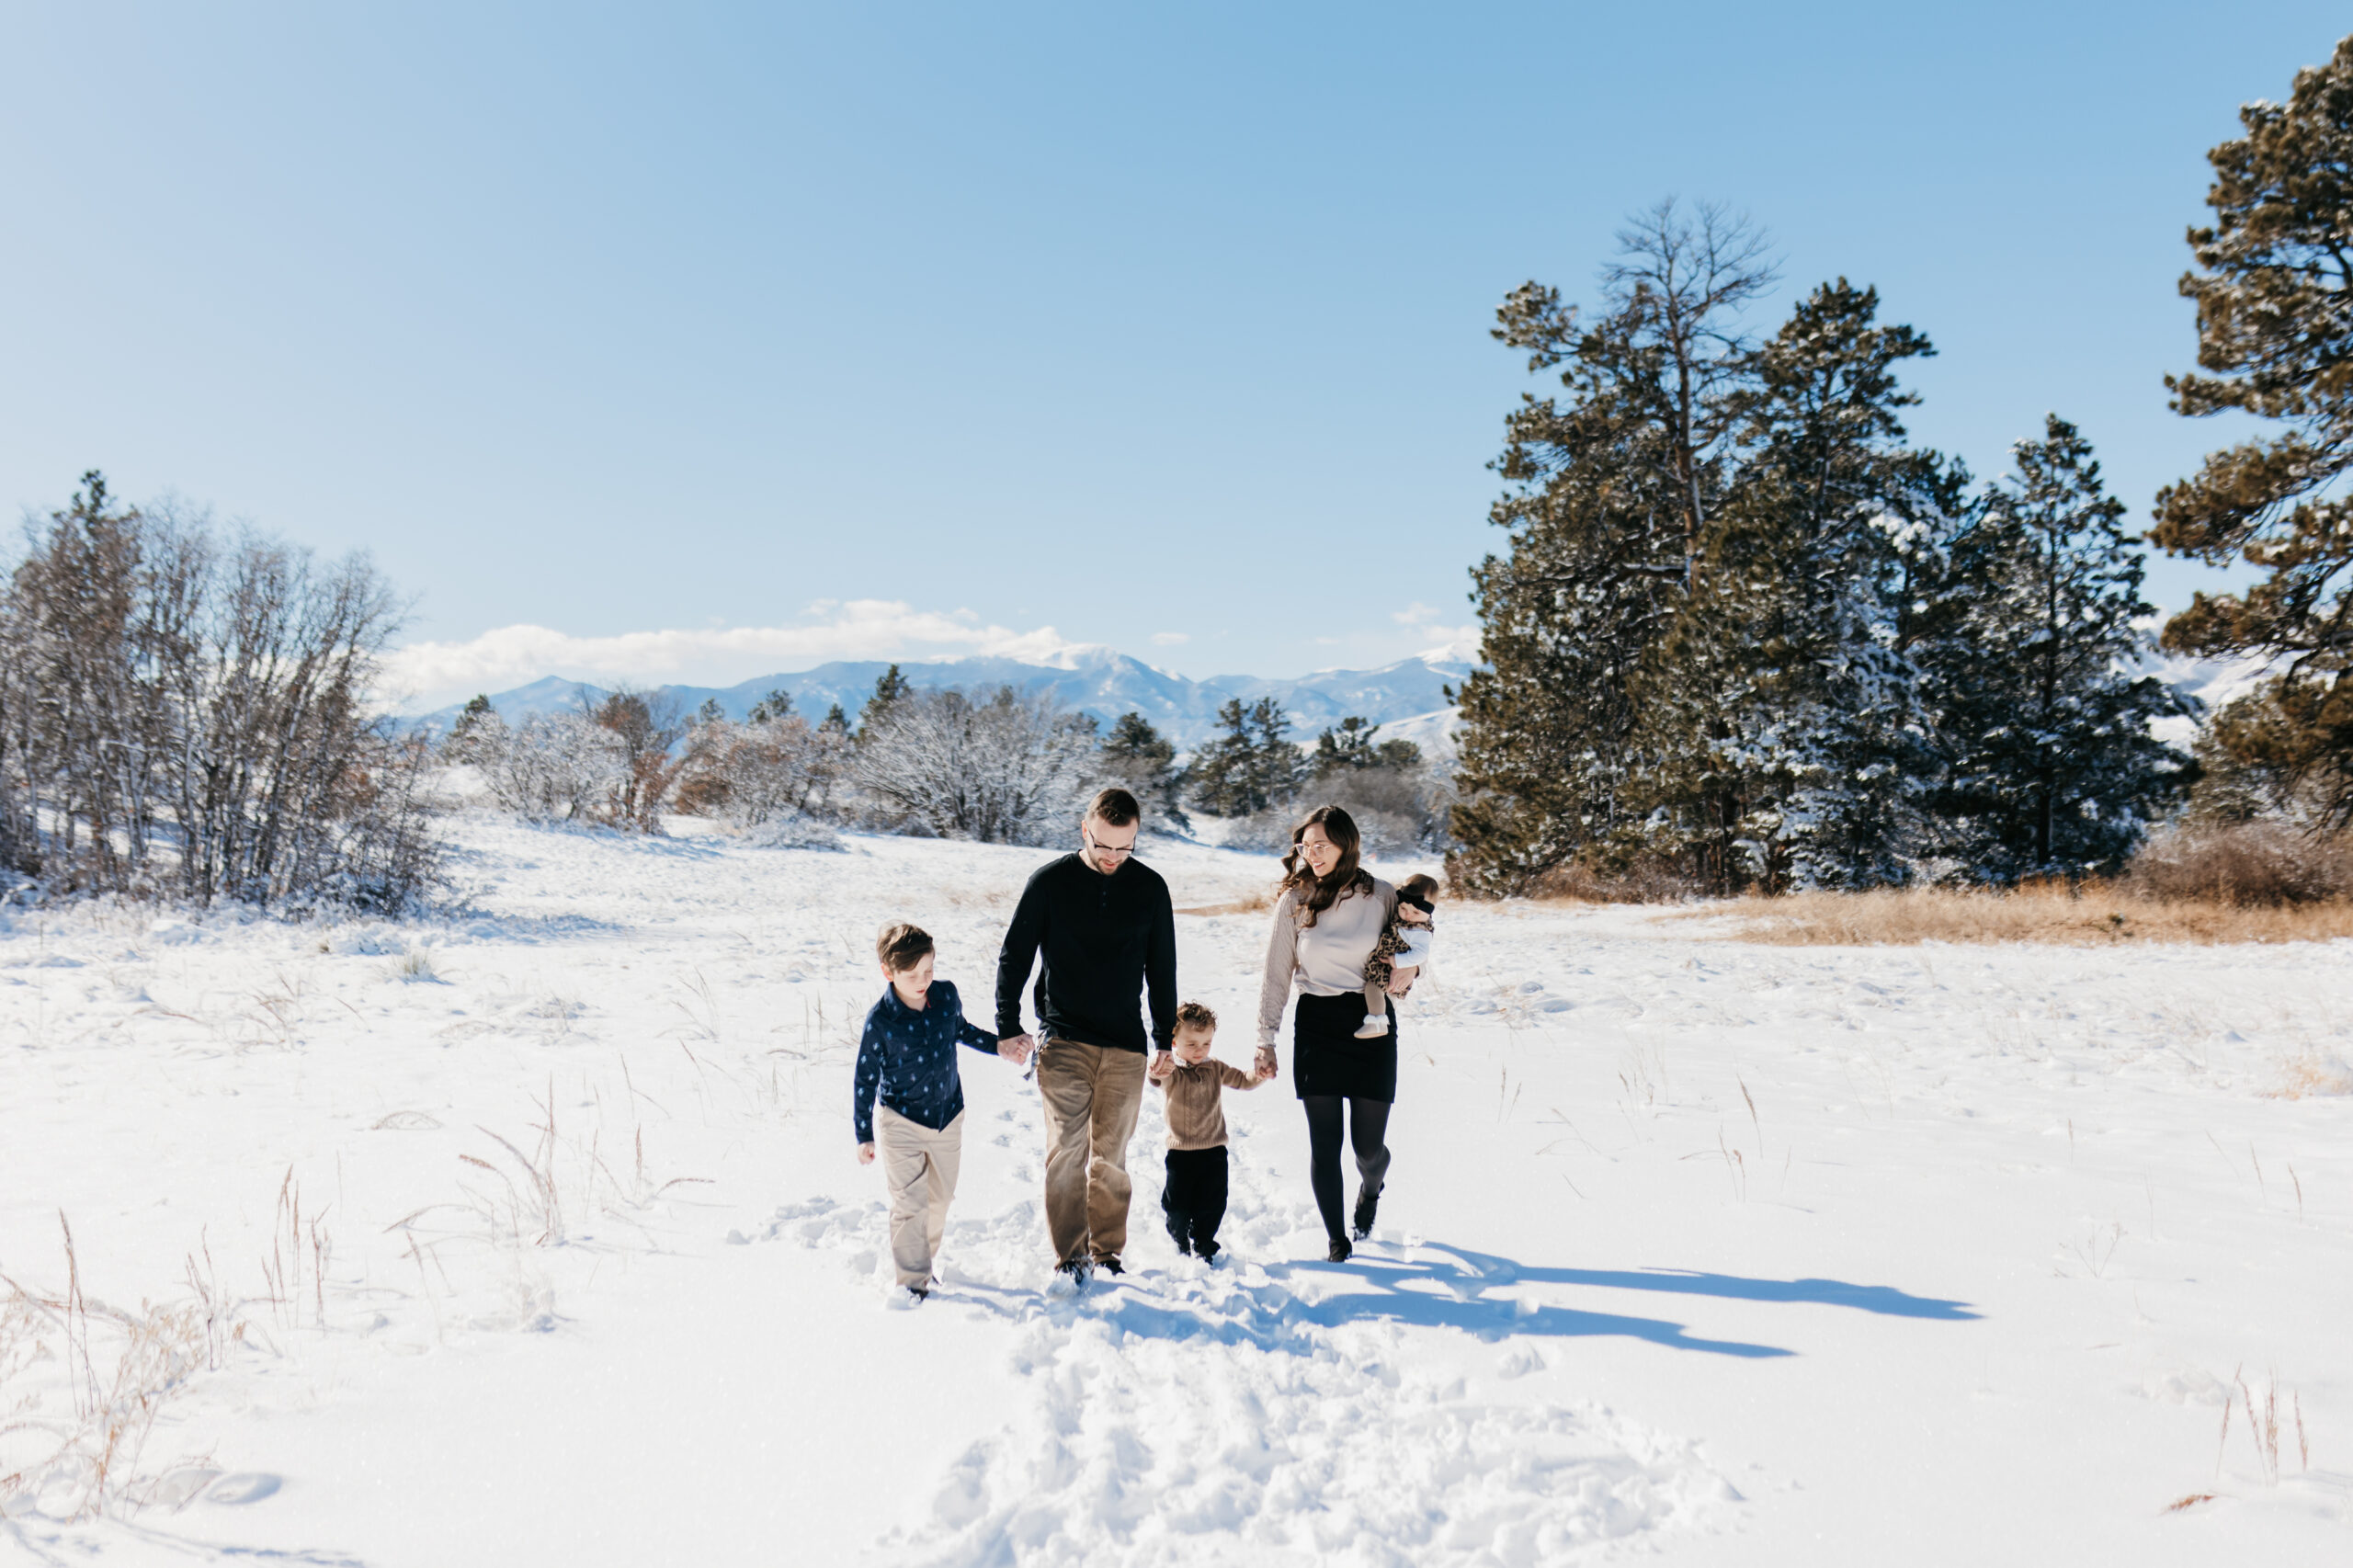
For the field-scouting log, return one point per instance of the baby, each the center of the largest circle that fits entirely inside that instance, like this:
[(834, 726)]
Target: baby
[(1405, 945), (1195, 1195)]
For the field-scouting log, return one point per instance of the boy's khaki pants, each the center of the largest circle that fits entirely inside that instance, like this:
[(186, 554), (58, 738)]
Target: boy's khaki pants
[(1092, 1094), (919, 1166)]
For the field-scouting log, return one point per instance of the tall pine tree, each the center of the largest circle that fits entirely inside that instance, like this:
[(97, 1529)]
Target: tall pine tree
[(2049, 763), (2274, 287), (1611, 487), (1780, 717)]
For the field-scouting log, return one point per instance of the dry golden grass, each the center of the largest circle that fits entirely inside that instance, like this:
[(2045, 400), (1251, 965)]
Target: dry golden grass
[(2094, 915), (1248, 903)]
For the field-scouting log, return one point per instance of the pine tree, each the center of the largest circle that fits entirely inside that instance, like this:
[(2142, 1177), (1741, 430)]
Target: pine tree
[(2274, 329), (710, 713), (836, 721), (1276, 769), (2049, 765), (1251, 765), (1779, 716), (1137, 755), (1221, 770), (1611, 488), (476, 729), (891, 688), (1350, 746), (773, 708)]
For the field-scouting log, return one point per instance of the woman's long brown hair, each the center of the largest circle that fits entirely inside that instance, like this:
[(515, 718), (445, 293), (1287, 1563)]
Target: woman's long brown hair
[(1319, 893)]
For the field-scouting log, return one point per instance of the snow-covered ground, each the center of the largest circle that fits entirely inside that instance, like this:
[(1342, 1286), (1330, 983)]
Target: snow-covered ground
[(1718, 1252)]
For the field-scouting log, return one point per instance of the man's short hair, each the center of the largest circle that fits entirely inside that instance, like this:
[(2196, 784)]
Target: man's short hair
[(901, 947), (1114, 807), (1193, 1015)]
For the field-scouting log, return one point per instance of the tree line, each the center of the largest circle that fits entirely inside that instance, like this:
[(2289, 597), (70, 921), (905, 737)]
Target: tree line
[(1000, 766), (1745, 633)]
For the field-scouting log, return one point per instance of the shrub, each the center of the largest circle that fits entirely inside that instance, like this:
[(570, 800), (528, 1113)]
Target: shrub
[(2261, 863)]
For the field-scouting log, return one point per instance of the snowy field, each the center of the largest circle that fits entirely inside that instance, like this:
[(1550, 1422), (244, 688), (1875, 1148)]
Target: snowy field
[(1694, 1250)]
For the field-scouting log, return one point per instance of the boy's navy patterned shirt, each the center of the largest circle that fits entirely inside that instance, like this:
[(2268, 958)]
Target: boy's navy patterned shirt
[(910, 1058)]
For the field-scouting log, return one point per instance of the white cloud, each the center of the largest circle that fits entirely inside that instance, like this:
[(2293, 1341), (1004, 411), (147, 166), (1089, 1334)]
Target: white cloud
[(1457, 641), (1170, 639), (428, 674)]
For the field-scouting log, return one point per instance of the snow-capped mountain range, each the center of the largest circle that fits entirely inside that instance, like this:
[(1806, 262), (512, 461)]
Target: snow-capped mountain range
[(1409, 698)]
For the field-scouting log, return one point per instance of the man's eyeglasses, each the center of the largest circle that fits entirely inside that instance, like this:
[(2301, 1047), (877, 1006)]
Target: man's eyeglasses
[(1123, 851)]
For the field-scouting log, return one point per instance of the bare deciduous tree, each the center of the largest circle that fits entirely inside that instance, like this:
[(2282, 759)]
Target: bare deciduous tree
[(1010, 769), (184, 718)]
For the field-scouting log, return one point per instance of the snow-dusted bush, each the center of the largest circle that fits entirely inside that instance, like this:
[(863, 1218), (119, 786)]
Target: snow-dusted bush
[(550, 767), (750, 774), (1009, 770)]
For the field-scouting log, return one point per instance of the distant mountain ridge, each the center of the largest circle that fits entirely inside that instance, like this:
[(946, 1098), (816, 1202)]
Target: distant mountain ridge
[(1096, 681)]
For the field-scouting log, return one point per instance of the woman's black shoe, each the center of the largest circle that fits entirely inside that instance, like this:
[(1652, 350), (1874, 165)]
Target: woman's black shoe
[(1368, 1204), (1340, 1249)]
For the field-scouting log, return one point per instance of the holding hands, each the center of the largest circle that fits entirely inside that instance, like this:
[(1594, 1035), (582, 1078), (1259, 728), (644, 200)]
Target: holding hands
[(1262, 1067), (1016, 1048), (1164, 1066)]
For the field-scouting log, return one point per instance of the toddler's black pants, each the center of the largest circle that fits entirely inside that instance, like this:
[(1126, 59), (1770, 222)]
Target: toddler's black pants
[(1195, 1198)]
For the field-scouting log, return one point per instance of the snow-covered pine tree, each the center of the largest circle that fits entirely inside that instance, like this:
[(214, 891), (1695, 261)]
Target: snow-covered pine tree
[(2041, 717), (1611, 486), (476, 734), (1779, 716), (2275, 328)]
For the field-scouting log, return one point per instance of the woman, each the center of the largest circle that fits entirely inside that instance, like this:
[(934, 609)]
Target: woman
[(1330, 914)]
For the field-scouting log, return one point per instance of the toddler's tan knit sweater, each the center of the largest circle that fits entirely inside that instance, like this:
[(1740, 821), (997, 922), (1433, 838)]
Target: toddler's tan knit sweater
[(1196, 1111)]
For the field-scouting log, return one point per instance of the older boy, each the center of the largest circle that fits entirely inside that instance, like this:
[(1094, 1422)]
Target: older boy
[(907, 1057)]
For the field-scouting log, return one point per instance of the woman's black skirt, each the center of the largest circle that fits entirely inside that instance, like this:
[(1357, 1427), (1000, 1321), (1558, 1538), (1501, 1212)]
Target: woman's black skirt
[(1327, 1059)]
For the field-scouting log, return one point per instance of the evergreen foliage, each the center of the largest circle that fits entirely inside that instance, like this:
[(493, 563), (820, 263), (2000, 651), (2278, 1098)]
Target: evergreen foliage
[(1611, 486), (2274, 289), (891, 688), (1351, 747), (1743, 634), (1780, 728), (1253, 765), (2049, 765), (773, 708), (1136, 754)]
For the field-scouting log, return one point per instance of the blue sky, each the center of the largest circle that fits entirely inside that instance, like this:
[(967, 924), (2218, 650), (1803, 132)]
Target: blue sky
[(692, 341)]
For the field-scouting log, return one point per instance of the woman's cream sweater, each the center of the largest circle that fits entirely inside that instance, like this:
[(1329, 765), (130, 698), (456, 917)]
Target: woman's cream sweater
[(1326, 958)]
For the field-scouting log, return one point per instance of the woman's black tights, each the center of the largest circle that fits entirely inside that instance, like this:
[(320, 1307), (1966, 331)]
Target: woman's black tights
[(1368, 1122)]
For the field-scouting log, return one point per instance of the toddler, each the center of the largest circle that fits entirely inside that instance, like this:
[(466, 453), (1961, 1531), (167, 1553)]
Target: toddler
[(1404, 945), (907, 1057), (1195, 1195)]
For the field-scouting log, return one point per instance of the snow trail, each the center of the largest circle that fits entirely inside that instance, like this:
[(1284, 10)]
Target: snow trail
[(1259, 1411)]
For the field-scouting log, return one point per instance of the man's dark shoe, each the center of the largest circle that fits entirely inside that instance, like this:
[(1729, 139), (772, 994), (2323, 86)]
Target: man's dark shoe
[(919, 1292), (1178, 1233), (1110, 1263), (1078, 1270), (1340, 1250), (1368, 1205), (1208, 1251)]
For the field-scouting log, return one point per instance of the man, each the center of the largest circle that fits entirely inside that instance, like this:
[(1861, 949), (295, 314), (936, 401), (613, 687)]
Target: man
[(1103, 925)]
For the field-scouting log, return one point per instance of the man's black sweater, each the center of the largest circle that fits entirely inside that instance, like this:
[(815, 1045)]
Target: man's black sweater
[(1105, 939)]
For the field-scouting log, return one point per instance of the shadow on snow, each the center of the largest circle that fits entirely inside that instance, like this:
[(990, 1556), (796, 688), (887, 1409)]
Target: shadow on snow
[(1448, 1291)]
